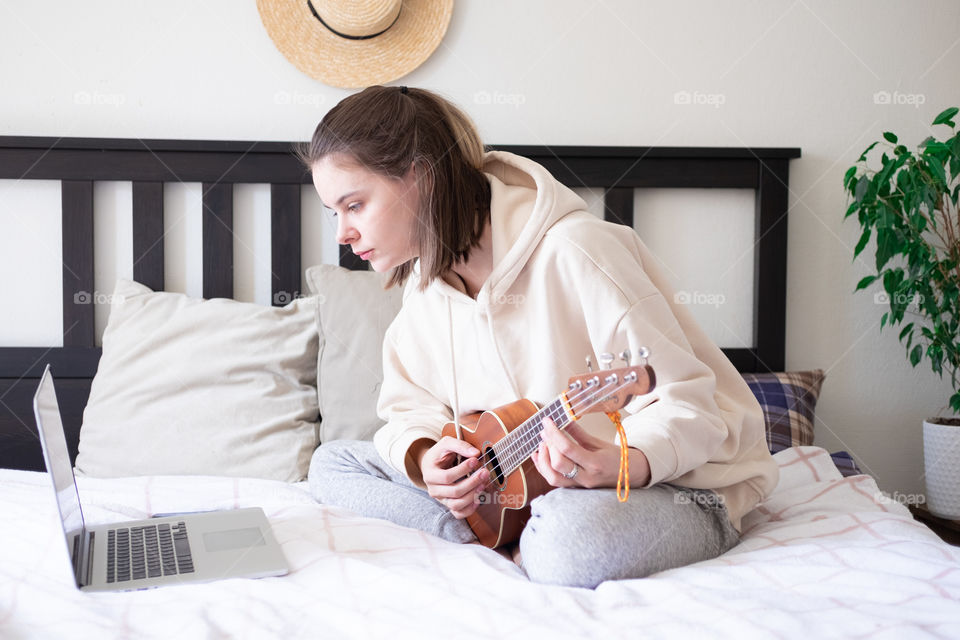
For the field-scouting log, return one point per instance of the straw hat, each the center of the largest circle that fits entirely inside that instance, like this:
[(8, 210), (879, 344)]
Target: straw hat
[(358, 43)]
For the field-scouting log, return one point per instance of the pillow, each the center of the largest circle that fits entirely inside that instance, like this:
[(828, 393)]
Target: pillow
[(788, 400), (845, 464), (353, 313), (202, 387)]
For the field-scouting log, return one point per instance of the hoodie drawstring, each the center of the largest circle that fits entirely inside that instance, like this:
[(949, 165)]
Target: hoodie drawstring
[(453, 373)]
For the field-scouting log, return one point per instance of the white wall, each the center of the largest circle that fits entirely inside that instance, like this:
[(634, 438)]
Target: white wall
[(603, 72)]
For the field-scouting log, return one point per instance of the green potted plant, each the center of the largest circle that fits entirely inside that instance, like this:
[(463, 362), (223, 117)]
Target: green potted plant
[(909, 205)]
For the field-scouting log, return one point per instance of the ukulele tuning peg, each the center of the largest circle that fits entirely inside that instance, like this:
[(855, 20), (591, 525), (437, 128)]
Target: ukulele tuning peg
[(606, 360), (625, 356), (589, 364), (643, 352)]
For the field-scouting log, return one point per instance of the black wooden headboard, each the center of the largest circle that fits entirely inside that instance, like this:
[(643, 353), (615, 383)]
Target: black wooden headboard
[(218, 165)]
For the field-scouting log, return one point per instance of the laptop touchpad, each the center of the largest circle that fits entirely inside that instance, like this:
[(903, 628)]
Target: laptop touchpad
[(233, 539)]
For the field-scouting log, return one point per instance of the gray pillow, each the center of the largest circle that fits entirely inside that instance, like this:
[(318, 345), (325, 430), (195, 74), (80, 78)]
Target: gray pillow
[(353, 313)]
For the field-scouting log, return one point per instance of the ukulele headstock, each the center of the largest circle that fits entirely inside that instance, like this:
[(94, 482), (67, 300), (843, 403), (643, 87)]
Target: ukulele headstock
[(609, 389)]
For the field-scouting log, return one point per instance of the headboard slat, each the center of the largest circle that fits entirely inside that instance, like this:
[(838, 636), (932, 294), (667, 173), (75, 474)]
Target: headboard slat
[(145, 164), (350, 260), (284, 243), (618, 206), (217, 240), (737, 173), (771, 264), (77, 233), (67, 362), (148, 234), (743, 359)]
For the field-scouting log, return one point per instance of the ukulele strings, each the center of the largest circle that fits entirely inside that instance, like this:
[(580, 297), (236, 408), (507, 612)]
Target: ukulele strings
[(525, 433), (523, 430), (530, 435)]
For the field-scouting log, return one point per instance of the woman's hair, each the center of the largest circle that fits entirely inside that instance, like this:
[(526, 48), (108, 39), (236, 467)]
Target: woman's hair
[(386, 129)]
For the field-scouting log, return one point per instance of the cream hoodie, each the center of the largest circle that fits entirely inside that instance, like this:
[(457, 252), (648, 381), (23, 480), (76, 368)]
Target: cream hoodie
[(566, 285)]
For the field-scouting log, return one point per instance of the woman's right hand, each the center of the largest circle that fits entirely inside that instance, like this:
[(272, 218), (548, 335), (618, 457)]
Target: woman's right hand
[(456, 486)]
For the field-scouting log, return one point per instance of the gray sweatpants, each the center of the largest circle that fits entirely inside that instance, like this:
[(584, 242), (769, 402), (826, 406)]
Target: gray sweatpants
[(575, 537)]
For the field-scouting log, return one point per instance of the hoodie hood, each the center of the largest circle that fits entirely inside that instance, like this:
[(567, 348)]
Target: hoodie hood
[(525, 201)]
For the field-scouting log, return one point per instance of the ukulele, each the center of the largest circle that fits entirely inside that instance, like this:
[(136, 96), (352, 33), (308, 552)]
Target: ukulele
[(507, 436)]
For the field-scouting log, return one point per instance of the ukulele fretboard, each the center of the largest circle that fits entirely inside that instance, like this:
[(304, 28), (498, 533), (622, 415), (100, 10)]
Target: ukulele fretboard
[(514, 449)]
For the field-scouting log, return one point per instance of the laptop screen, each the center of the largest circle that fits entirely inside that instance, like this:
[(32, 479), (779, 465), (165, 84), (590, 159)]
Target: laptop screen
[(55, 452)]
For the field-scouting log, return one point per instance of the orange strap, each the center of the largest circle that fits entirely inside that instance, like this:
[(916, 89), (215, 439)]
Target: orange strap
[(623, 478)]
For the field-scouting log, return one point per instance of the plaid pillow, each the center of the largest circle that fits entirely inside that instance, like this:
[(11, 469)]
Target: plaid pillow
[(845, 464), (788, 400)]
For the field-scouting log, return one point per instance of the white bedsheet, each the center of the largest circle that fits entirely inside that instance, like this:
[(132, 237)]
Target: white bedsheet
[(823, 557)]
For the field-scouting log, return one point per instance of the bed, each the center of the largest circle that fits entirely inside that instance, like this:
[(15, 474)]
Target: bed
[(828, 554)]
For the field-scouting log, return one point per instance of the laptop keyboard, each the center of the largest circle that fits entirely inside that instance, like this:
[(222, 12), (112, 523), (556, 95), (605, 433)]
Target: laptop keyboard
[(150, 551)]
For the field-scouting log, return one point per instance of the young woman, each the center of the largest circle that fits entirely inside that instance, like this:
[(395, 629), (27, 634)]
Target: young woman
[(509, 283)]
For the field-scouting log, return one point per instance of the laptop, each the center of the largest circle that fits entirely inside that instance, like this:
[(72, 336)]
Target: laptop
[(172, 549)]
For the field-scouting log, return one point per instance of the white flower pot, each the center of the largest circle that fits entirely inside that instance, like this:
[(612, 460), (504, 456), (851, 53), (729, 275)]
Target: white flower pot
[(941, 461)]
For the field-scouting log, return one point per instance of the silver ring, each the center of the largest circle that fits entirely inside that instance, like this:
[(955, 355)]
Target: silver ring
[(572, 474)]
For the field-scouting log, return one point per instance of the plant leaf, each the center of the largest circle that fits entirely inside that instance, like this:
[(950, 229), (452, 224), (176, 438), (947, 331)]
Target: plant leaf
[(886, 246), (937, 170), (865, 282), (915, 355), (905, 331), (856, 251), (935, 353), (890, 137), (862, 185), (945, 117), (853, 207), (863, 156), (852, 171)]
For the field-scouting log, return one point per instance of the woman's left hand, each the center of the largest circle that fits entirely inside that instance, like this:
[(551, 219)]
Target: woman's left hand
[(590, 461)]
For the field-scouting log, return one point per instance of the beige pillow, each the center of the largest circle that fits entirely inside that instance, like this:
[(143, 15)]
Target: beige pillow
[(353, 313), (202, 387)]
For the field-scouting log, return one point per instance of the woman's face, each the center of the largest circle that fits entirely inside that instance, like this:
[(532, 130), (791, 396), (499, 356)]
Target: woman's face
[(376, 215)]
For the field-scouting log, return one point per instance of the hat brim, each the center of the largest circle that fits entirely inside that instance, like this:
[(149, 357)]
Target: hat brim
[(353, 64)]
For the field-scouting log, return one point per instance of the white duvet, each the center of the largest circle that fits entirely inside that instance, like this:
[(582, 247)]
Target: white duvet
[(825, 556)]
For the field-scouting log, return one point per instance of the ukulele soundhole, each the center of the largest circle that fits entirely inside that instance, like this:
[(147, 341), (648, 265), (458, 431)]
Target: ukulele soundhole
[(496, 471)]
